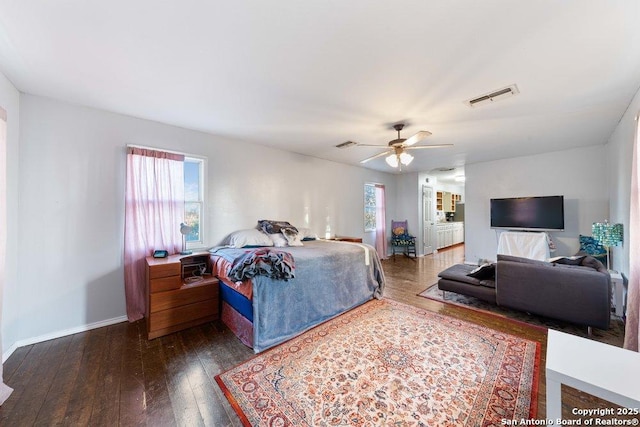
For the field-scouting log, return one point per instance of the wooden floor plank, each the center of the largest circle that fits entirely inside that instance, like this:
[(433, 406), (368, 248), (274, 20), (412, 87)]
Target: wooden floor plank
[(84, 391), (183, 400), (132, 390), (158, 403), (60, 391), (204, 387), (12, 364), (106, 406), (21, 408)]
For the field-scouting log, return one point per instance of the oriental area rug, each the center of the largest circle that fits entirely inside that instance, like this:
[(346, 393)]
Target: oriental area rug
[(386, 363), (614, 335)]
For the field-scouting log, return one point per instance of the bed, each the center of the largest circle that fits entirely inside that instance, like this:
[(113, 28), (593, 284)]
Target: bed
[(330, 277)]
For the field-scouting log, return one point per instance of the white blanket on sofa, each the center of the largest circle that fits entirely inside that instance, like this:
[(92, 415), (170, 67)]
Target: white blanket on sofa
[(532, 245)]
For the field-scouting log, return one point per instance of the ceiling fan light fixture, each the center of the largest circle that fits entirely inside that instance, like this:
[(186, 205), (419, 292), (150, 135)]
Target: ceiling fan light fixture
[(396, 153), (405, 158)]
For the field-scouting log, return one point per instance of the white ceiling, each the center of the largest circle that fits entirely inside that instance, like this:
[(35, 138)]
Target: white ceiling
[(304, 76)]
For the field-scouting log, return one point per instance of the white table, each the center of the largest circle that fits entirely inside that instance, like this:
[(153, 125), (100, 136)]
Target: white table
[(602, 370), (618, 291)]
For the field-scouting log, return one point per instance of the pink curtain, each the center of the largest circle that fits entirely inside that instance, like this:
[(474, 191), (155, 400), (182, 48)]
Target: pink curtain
[(154, 209), (381, 223), (632, 333), (5, 391)]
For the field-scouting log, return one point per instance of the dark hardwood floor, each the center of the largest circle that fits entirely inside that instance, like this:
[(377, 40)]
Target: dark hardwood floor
[(114, 376)]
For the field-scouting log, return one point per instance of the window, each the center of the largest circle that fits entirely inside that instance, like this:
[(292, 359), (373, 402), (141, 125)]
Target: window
[(369, 207), (194, 200)]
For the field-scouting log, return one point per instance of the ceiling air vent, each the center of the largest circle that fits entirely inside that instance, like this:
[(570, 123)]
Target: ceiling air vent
[(346, 144), (493, 96)]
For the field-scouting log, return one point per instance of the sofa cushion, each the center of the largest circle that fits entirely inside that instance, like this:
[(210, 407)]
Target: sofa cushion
[(488, 283), (459, 273)]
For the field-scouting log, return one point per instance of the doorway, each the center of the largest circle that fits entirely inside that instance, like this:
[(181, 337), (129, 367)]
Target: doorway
[(428, 222), (374, 216)]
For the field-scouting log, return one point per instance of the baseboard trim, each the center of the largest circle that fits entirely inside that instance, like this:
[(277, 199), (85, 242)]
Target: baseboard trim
[(53, 335)]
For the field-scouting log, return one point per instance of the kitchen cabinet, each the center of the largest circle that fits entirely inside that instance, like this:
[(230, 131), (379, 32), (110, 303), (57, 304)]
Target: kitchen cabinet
[(446, 201), (449, 234)]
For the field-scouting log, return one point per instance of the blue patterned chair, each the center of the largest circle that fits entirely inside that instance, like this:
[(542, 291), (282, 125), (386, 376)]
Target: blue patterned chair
[(401, 239)]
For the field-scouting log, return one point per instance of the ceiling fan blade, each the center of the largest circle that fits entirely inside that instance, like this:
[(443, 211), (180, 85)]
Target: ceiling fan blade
[(417, 137), (371, 145), (429, 146), (376, 156)]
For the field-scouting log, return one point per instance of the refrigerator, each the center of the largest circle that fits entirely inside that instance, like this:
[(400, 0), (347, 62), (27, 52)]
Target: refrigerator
[(459, 213)]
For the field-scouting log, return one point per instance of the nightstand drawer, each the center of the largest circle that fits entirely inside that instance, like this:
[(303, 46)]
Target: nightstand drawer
[(186, 295), (164, 270), (165, 284), (183, 314)]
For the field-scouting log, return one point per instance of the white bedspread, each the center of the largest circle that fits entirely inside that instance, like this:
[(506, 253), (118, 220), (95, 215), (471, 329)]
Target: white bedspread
[(533, 245)]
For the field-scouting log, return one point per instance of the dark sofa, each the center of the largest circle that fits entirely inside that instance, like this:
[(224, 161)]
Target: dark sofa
[(573, 290)]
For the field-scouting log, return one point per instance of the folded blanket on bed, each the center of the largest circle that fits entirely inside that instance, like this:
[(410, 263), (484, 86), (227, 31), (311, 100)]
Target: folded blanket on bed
[(269, 226), (263, 262)]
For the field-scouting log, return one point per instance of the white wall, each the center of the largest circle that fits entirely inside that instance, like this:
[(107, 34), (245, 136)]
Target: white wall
[(579, 175), (10, 101), (620, 153), (71, 184)]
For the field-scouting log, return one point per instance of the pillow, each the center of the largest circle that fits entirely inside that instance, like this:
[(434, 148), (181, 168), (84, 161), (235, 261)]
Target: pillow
[(293, 237), (591, 246), (306, 234), (484, 272), (271, 227), (245, 238), (277, 240), (398, 231)]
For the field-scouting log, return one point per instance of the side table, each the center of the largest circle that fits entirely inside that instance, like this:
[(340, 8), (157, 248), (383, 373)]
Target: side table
[(596, 368), (617, 283)]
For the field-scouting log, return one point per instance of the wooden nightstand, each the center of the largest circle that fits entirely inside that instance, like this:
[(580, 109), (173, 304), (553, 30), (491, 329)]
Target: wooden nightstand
[(174, 303)]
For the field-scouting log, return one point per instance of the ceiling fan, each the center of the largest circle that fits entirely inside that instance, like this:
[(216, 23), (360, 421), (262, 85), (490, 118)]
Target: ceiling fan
[(397, 154)]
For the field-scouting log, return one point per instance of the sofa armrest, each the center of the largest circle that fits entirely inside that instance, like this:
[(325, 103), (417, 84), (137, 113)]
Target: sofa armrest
[(579, 295)]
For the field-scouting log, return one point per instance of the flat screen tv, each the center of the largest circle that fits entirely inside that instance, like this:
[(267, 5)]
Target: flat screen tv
[(528, 213)]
